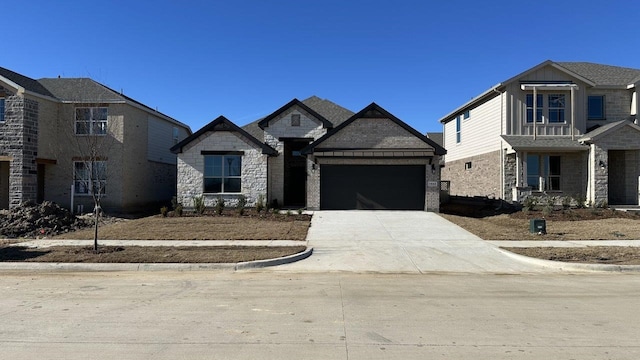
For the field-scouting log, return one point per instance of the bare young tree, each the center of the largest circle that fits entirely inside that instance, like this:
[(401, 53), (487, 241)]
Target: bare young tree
[(93, 141)]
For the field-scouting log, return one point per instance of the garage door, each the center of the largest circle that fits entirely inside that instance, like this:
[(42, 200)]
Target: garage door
[(398, 187)]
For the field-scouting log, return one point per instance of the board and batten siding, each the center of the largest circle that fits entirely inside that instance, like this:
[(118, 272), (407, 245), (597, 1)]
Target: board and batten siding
[(516, 104), (479, 134), (161, 138)]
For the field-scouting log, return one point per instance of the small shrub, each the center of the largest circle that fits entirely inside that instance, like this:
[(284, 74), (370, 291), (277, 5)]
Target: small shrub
[(219, 206), (288, 212), (566, 202), (174, 202), (547, 210), (529, 203), (300, 211), (178, 210), (260, 203), (198, 205), (580, 201), (242, 202), (164, 211), (604, 204)]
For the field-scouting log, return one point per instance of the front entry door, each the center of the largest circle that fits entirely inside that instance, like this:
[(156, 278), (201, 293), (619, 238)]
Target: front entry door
[(295, 173)]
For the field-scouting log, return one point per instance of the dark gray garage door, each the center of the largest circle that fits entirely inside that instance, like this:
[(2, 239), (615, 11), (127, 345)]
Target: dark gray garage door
[(345, 187)]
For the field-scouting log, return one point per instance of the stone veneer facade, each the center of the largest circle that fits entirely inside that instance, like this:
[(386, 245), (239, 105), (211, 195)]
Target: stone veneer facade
[(622, 139), (19, 145), (191, 169)]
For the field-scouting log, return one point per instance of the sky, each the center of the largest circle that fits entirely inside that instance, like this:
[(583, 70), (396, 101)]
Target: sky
[(244, 59)]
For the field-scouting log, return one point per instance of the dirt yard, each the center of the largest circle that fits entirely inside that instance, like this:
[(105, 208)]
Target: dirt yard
[(229, 226), (569, 224), (147, 254)]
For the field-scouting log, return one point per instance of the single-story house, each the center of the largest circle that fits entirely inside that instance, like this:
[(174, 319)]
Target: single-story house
[(312, 154)]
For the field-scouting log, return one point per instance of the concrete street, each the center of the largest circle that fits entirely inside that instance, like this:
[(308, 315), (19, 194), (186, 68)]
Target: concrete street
[(266, 315)]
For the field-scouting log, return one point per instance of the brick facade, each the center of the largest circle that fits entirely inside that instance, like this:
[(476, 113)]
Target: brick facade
[(476, 175)]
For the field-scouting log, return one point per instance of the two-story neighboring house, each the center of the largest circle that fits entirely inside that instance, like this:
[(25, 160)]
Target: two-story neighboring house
[(312, 154), (558, 129), (50, 127)]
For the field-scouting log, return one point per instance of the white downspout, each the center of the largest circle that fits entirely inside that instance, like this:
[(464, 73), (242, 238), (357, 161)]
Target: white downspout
[(535, 111), (573, 112), (502, 110)]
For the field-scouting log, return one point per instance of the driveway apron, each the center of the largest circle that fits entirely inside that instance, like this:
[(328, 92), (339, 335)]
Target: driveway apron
[(399, 241)]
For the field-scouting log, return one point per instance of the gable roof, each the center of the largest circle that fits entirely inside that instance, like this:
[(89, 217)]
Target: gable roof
[(330, 110), (605, 129), (374, 111), (590, 73), (25, 82), (603, 75), (223, 124), (295, 102)]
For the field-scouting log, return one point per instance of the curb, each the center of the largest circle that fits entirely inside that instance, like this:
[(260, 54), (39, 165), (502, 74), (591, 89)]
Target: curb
[(156, 266), (566, 266)]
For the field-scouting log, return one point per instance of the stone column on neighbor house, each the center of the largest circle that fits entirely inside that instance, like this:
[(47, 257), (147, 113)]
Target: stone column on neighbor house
[(510, 177), (20, 143), (313, 184), (600, 177)]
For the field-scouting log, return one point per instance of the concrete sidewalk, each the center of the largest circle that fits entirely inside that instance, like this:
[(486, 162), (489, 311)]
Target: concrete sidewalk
[(564, 243)]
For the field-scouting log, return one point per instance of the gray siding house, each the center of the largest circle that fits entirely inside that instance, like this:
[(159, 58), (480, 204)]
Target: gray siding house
[(312, 154), (557, 129)]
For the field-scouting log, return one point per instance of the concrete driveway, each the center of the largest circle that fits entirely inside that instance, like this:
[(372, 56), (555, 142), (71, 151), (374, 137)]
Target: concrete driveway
[(399, 241)]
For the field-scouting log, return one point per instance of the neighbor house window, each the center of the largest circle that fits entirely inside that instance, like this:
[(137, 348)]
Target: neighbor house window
[(467, 165), (543, 172), (556, 106), (552, 107), (466, 114), (595, 107), (176, 135), (90, 177), (458, 137), (1, 109), (222, 173), (539, 105), (91, 120)]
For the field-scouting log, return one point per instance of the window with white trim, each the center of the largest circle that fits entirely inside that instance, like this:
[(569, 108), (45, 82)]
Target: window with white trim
[(89, 177), (551, 107), (222, 174), (91, 120), (543, 172), (458, 130)]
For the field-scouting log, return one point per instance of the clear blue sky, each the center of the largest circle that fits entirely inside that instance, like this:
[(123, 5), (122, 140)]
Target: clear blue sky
[(196, 60)]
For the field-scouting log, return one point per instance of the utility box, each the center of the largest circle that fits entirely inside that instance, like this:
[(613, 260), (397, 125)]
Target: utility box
[(538, 226)]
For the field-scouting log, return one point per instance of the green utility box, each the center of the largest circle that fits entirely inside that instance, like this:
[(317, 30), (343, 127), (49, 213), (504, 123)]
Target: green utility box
[(538, 226)]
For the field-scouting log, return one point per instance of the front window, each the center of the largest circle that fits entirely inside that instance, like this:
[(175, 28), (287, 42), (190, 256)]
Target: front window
[(543, 172), (1, 110), (556, 108), (539, 106), (595, 107), (91, 120), (552, 107), (458, 137), (90, 177), (222, 173)]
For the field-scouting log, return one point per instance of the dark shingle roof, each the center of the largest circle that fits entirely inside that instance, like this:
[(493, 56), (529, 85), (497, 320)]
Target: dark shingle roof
[(26, 82), (603, 74), (329, 110), (520, 142), (80, 90), (437, 137)]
